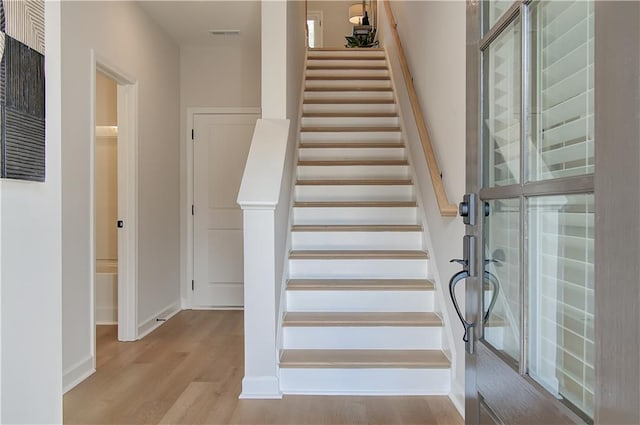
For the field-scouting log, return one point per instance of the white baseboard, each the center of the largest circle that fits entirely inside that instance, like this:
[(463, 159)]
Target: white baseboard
[(457, 398), (151, 324), (260, 387), (77, 373)]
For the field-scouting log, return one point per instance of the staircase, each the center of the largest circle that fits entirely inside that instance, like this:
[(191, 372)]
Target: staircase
[(359, 313)]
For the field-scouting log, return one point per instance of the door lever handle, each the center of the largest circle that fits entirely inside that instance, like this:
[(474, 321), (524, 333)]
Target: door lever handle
[(455, 279), (495, 283), (463, 263)]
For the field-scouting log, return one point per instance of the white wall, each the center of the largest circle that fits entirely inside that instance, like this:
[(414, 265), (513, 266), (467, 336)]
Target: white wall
[(335, 20), (433, 36), (225, 74), (30, 260), (296, 53), (128, 40)]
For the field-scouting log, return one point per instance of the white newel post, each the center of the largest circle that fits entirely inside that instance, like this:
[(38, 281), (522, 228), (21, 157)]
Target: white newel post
[(259, 196), (260, 380)]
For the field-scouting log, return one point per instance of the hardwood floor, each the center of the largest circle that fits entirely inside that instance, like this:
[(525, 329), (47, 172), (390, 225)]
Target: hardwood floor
[(189, 371)]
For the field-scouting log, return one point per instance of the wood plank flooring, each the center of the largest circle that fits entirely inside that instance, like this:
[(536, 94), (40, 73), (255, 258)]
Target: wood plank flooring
[(189, 371)]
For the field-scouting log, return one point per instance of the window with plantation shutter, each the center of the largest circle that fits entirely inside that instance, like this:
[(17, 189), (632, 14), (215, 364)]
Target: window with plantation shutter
[(561, 118)]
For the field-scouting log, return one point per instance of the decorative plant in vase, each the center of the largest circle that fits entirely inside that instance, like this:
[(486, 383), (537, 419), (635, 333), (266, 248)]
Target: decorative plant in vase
[(362, 40)]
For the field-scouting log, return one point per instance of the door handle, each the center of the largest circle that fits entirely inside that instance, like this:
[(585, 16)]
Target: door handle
[(495, 283), (455, 279)]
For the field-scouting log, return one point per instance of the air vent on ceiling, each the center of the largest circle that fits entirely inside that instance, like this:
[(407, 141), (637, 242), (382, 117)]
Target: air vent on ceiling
[(224, 32)]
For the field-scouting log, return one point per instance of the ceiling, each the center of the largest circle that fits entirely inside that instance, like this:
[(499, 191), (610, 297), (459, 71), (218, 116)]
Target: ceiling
[(189, 22)]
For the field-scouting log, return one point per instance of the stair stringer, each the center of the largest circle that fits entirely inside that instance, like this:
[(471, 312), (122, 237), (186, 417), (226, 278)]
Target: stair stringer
[(441, 292), (287, 246)]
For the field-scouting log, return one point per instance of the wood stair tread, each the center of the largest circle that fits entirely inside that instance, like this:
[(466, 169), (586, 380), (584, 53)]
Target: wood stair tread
[(330, 319), (354, 101), (350, 145), (358, 255), (357, 228), (355, 204), (405, 359), (373, 162), (349, 129), (347, 58), (349, 182), (346, 67), (350, 115), (496, 321), (347, 89), (360, 285), (345, 49), (347, 77)]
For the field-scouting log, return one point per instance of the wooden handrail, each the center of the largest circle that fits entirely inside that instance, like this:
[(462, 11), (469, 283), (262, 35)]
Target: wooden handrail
[(446, 208)]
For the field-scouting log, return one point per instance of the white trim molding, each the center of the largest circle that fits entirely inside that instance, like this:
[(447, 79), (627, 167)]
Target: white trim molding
[(156, 320), (78, 373), (260, 387), (127, 132)]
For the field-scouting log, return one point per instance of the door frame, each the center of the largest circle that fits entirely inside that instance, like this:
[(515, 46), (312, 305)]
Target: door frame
[(186, 193), (319, 15), (127, 198), (616, 182)]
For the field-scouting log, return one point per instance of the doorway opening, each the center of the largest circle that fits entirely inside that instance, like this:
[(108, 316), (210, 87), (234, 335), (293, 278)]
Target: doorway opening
[(314, 26), (106, 207), (332, 24), (114, 204)]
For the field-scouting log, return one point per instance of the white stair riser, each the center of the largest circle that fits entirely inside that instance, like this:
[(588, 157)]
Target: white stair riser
[(346, 62), (349, 107), (365, 381), (360, 301), (347, 83), (348, 73), (354, 136), (358, 269), (354, 193), (326, 154), (360, 215), (353, 172), (348, 95), (364, 338), (356, 240), (365, 122)]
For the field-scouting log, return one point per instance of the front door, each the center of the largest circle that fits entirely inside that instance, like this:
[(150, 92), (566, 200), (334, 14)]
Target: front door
[(531, 178), (221, 145)]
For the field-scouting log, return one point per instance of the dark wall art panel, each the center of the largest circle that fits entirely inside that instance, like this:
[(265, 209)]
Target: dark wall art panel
[(22, 90)]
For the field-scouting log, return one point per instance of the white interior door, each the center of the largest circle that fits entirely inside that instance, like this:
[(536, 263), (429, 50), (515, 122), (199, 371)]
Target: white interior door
[(314, 26), (221, 146)]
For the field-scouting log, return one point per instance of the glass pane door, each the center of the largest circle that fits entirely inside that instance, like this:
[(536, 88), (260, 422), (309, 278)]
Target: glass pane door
[(561, 297), (536, 241), (561, 120)]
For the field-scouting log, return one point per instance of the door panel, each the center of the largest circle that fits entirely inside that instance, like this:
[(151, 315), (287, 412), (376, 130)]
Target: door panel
[(220, 151), (531, 69)]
